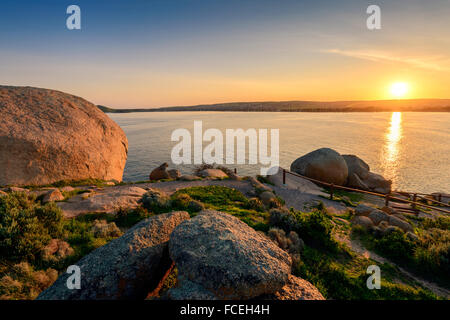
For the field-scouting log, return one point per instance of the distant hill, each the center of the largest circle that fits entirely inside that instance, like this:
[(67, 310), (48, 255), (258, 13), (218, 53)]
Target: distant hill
[(431, 105)]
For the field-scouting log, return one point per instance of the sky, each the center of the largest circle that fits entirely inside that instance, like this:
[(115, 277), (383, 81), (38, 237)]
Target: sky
[(154, 53)]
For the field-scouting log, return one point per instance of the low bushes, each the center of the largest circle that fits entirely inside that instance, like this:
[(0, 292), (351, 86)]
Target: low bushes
[(26, 226), (429, 255), (313, 227)]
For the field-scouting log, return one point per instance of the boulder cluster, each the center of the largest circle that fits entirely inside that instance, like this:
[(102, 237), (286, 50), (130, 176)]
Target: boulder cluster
[(217, 257), (328, 165), (382, 221)]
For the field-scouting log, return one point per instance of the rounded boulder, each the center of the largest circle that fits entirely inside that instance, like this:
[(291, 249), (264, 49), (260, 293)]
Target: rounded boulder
[(323, 164), (227, 258), (48, 136)]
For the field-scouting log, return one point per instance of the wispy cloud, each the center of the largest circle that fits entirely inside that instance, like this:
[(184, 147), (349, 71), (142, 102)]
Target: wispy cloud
[(430, 63)]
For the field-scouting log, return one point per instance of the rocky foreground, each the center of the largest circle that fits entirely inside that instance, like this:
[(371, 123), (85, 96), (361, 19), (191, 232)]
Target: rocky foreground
[(217, 256)]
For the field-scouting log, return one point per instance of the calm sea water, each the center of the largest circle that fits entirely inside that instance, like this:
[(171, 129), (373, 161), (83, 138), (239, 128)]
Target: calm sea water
[(412, 149)]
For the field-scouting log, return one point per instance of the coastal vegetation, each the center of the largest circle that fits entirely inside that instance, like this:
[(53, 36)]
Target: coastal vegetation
[(427, 255), (320, 258)]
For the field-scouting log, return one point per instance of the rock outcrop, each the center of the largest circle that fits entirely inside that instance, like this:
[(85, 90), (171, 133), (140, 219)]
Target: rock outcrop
[(381, 221), (160, 172), (53, 195), (360, 177), (323, 164), (48, 136), (219, 256), (104, 201), (127, 267)]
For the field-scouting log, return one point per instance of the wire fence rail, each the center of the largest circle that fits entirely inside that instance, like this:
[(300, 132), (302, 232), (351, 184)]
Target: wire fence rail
[(388, 197)]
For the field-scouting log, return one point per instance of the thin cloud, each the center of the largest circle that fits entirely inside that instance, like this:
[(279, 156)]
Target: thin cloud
[(434, 63)]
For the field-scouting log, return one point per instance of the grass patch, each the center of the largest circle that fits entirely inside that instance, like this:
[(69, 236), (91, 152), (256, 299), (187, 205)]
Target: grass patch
[(342, 276), (228, 200)]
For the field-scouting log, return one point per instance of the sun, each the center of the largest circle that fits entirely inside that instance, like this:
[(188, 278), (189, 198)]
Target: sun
[(399, 89)]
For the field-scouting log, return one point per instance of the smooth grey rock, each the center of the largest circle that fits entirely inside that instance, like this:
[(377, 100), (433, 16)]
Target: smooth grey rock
[(363, 221), (377, 216), (405, 226)]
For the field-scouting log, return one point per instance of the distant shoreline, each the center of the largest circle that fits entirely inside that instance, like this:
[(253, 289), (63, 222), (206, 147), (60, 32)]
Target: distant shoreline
[(412, 105)]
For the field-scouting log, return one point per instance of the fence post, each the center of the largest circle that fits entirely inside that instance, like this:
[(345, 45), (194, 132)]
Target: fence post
[(414, 200), (386, 203), (331, 191), (284, 176), (235, 171), (440, 197)]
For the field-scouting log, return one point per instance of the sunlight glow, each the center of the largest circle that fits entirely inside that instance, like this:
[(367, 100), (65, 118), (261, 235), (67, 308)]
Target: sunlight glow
[(399, 89), (392, 147)]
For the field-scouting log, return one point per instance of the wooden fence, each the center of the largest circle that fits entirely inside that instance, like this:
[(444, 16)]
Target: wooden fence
[(387, 197)]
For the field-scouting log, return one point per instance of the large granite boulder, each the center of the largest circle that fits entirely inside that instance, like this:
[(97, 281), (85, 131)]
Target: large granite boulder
[(217, 255), (356, 165), (48, 136), (323, 164), (360, 177), (128, 267)]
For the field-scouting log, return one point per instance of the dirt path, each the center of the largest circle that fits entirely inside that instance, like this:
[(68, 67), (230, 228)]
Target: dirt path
[(358, 247)]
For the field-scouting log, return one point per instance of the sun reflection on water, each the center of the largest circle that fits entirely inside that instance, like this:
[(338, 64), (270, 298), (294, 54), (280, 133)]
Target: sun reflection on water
[(392, 140)]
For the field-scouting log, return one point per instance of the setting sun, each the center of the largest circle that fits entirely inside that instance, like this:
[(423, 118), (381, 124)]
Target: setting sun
[(399, 89)]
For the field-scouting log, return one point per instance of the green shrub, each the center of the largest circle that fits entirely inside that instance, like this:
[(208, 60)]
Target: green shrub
[(255, 204), (26, 226), (156, 201), (395, 245), (442, 223), (313, 227), (127, 218)]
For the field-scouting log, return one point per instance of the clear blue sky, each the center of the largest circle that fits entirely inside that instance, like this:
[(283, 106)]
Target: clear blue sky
[(166, 52)]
